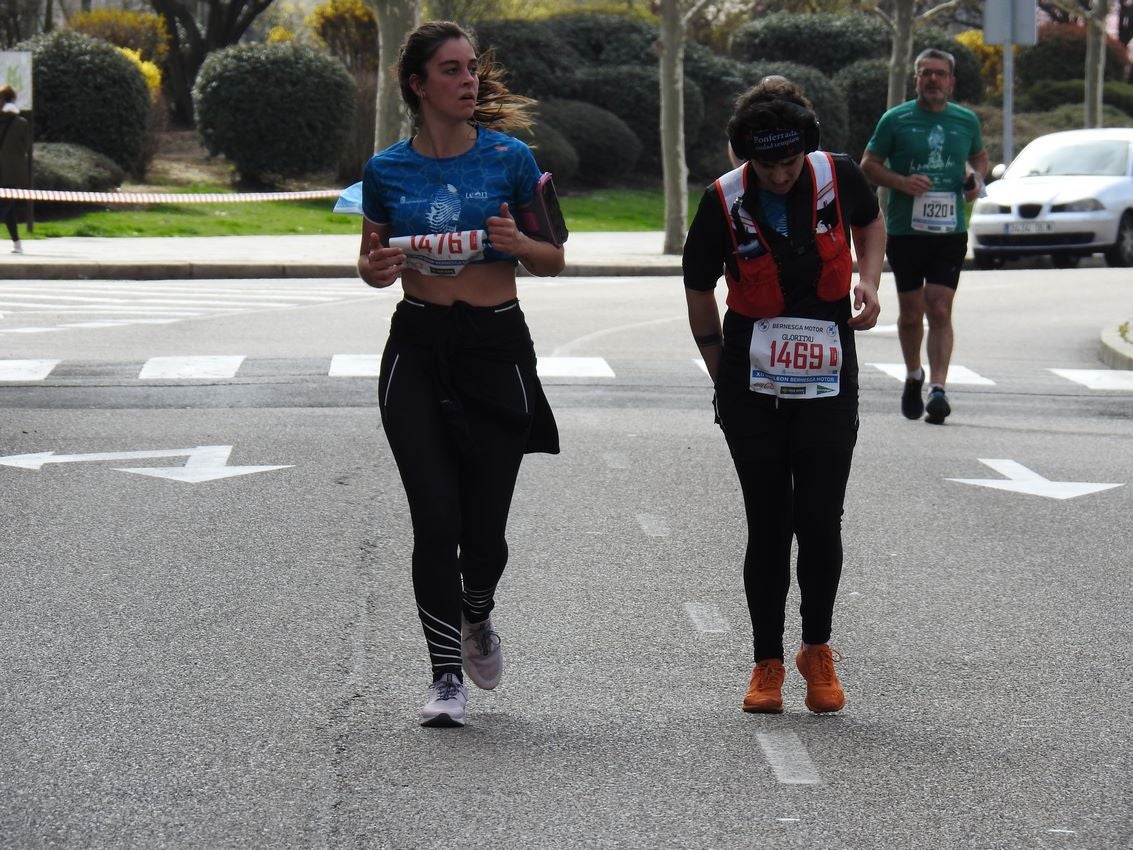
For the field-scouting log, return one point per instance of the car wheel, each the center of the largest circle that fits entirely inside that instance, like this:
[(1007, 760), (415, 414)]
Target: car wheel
[(986, 260), (1065, 261), (1121, 254)]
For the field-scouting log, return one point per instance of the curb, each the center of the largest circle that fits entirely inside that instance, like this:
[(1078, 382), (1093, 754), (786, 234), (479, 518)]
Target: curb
[(1114, 351)]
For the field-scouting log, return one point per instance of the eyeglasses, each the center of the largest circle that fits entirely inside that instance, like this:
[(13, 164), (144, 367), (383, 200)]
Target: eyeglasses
[(929, 73)]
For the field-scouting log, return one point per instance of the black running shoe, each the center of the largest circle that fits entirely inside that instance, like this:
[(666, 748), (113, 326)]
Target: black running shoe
[(912, 405), (937, 408)]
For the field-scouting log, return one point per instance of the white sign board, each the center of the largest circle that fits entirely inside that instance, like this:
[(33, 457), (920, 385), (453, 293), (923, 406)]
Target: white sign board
[(1010, 22), (15, 71)]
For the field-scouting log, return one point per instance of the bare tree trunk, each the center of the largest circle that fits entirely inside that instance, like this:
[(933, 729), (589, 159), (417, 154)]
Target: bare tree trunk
[(901, 57), (673, 164), (1095, 61), (396, 19)]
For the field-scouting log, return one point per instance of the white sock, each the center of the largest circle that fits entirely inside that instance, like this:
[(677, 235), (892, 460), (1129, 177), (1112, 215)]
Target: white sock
[(915, 376)]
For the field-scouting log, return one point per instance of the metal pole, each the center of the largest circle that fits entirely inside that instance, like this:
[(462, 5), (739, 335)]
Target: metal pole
[(1008, 103)]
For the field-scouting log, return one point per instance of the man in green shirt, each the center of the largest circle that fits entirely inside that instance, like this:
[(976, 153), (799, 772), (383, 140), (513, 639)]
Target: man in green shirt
[(930, 153)]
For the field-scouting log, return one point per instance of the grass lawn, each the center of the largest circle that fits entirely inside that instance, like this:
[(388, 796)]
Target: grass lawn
[(608, 209)]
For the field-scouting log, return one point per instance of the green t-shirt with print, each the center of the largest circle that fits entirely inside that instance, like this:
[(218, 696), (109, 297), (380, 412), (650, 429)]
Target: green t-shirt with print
[(913, 140)]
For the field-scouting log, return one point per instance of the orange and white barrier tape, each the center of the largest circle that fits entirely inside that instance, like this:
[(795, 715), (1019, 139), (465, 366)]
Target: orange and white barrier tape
[(170, 198)]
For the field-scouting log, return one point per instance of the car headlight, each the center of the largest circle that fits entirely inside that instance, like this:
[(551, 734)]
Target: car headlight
[(985, 206), (1084, 205)]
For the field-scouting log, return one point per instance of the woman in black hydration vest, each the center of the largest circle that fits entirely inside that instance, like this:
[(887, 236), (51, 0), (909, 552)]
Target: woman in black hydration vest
[(784, 363)]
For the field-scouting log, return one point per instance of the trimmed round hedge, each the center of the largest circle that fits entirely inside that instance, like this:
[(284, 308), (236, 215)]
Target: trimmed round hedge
[(552, 152), (633, 93), (606, 39), (88, 93), (607, 149), (1060, 54), (827, 41), (538, 65), (866, 83), (274, 110)]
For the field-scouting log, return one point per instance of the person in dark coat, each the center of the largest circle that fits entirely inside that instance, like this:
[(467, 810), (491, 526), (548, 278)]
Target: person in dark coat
[(15, 159)]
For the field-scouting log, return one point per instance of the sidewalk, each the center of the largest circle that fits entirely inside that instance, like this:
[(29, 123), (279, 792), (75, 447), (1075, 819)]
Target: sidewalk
[(211, 257)]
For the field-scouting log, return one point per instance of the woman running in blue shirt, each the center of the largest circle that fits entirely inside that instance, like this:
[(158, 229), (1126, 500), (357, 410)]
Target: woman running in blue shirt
[(459, 397)]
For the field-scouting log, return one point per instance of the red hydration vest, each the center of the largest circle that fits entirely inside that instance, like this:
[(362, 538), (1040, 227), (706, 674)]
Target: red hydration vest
[(757, 292)]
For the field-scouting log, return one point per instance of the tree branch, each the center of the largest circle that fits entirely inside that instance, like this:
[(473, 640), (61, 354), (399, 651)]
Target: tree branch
[(943, 7), (696, 7)]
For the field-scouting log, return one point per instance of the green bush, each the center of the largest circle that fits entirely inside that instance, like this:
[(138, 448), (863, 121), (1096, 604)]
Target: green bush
[(826, 41), (721, 80), (87, 93), (969, 78), (274, 110), (607, 149), (64, 167), (826, 94), (537, 64), (1060, 54), (552, 151), (1049, 94), (606, 39), (633, 93), (865, 83)]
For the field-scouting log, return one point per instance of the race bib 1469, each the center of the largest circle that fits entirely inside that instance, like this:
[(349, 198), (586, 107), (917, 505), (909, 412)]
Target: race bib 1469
[(795, 358)]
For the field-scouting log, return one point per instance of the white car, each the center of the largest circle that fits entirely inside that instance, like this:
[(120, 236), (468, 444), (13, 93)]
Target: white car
[(1068, 195)]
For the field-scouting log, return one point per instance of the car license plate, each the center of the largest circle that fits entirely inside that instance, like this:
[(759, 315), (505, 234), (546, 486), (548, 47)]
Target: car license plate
[(1030, 227)]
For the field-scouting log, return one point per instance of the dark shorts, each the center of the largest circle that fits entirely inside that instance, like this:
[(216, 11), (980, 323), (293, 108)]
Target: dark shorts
[(917, 260)]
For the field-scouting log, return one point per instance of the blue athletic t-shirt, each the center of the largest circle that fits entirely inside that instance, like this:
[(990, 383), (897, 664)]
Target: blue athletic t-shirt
[(416, 194)]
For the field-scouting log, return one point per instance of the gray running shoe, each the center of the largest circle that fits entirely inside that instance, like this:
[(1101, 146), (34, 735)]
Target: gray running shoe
[(937, 408), (483, 658), (447, 699)]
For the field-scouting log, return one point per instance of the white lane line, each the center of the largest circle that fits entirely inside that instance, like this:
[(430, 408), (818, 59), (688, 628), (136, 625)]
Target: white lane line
[(788, 758), (956, 374), (567, 347), (355, 365), (1063, 831), (574, 367), (26, 370), (166, 368), (1098, 379), (653, 525), (706, 617), (29, 330)]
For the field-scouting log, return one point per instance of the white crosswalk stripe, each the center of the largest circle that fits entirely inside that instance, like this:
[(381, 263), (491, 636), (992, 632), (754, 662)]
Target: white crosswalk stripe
[(956, 374), (181, 368), (367, 365), (42, 307), (1099, 379)]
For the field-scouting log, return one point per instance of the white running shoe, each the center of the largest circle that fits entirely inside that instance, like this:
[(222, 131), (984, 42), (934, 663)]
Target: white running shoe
[(447, 698), (17, 248), (483, 658)]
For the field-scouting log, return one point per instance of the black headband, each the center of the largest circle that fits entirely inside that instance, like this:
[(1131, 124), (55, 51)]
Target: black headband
[(772, 145)]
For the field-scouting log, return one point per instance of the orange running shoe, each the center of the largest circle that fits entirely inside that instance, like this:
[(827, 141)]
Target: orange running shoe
[(823, 690), (765, 693)]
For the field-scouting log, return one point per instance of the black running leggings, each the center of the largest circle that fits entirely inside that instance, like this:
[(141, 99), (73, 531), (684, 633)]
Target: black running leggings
[(793, 460), (459, 492), (8, 213)]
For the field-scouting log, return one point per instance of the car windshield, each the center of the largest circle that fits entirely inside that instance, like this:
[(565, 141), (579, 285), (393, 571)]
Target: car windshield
[(1101, 157)]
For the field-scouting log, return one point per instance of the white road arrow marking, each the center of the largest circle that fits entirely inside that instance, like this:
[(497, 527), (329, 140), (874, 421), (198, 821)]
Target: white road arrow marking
[(204, 463), (1022, 480)]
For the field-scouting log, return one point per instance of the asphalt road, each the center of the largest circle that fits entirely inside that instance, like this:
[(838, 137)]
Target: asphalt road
[(236, 662)]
